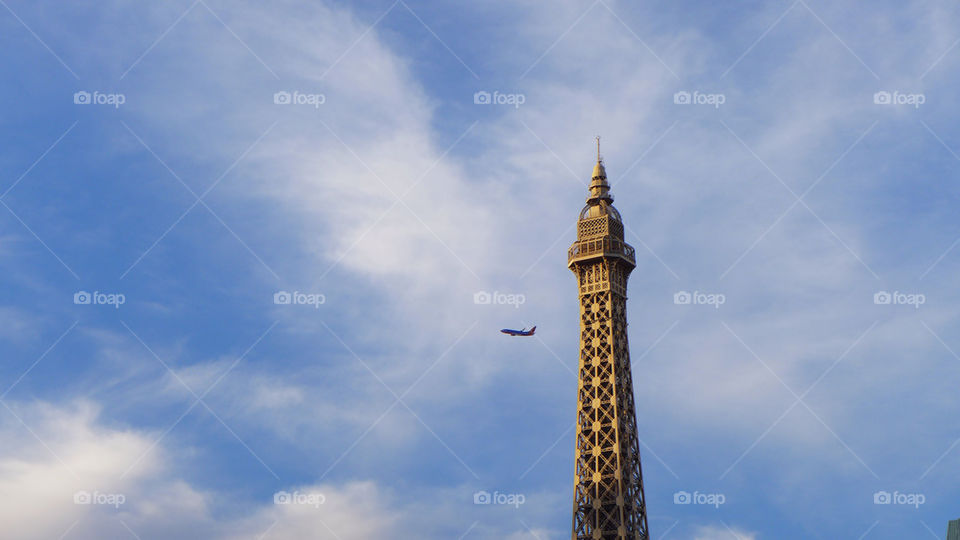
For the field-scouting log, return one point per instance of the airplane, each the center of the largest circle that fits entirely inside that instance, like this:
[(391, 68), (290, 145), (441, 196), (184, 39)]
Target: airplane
[(523, 332)]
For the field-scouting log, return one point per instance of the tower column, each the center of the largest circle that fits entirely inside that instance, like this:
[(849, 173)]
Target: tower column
[(608, 500)]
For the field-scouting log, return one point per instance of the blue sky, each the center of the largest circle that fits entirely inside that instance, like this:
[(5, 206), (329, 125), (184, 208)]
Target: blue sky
[(804, 199)]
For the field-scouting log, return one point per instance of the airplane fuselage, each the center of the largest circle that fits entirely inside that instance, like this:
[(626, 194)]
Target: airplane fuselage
[(523, 332)]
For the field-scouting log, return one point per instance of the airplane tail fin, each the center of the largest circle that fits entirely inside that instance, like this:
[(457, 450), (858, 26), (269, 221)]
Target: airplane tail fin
[(532, 330)]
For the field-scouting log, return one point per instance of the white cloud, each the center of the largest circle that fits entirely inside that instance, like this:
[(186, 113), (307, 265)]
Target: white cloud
[(74, 452), (714, 532), (70, 449), (355, 511), (56, 453)]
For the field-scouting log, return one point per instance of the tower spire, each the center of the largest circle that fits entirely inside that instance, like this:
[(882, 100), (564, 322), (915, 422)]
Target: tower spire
[(599, 188)]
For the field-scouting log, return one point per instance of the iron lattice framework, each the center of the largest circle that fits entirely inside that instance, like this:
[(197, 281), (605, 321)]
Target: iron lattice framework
[(608, 501)]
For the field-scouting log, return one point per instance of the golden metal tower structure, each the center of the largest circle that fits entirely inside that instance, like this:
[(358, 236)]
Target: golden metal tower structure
[(608, 501)]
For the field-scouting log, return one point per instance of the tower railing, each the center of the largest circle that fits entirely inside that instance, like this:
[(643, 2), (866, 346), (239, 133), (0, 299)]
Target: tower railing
[(605, 246)]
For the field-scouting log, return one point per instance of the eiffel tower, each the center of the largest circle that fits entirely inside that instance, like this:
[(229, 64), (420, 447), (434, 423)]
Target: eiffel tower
[(608, 501)]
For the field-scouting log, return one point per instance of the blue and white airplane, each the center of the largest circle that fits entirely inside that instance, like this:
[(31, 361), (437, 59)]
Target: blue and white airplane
[(523, 332)]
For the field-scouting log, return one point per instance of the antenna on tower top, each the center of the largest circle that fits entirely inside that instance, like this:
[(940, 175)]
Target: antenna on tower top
[(599, 159)]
